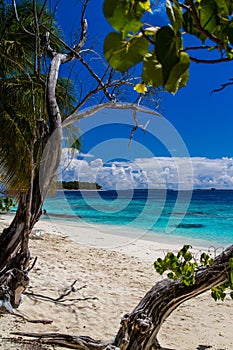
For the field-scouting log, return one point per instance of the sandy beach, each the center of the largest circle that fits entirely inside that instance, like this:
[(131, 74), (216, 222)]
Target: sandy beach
[(112, 274)]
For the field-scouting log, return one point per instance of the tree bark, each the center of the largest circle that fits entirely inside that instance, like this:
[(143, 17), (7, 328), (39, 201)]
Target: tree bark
[(139, 329), (14, 260)]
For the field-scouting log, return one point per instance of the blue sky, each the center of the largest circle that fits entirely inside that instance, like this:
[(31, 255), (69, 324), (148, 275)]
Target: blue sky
[(202, 119)]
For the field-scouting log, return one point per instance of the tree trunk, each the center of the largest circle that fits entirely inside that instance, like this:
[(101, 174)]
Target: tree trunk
[(14, 258), (139, 329)]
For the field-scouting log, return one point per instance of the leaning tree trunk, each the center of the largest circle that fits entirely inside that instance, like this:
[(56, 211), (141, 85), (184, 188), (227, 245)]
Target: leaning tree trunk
[(14, 240), (139, 329), (14, 259)]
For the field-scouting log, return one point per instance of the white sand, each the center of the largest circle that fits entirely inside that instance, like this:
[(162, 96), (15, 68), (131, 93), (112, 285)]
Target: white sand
[(116, 278)]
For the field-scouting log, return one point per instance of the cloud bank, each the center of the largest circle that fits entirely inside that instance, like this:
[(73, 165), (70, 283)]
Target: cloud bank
[(155, 172)]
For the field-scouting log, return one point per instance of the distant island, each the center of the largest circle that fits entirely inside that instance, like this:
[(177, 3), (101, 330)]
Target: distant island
[(79, 185)]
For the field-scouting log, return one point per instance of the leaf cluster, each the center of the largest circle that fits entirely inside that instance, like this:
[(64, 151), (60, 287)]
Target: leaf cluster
[(220, 292), (183, 267), (160, 50), (6, 203)]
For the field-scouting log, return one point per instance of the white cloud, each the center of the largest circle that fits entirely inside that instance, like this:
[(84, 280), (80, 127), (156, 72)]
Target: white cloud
[(154, 172), (159, 7)]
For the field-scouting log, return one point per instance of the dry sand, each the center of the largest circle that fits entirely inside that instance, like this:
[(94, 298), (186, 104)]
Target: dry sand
[(110, 283)]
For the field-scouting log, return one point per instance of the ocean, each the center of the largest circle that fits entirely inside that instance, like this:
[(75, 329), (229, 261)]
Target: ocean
[(200, 215)]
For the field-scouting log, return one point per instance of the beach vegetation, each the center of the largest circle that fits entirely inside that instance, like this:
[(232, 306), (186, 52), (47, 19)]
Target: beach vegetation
[(6, 203), (35, 102)]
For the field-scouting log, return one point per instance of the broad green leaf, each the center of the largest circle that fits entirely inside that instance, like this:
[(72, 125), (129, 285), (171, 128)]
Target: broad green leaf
[(209, 18), (175, 14), (189, 27), (167, 50), (140, 88), (228, 30), (208, 15), (124, 15), (179, 74), (224, 7), (122, 55)]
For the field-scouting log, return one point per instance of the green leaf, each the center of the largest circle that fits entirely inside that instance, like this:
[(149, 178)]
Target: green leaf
[(224, 7), (208, 14), (218, 294), (152, 73), (125, 15), (228, 30), (121, 54), (171, 276), (6, 204), (175, 14), (178, 77), (167, 50), (231, 263), (207, 11), (206, 260), (184, 250)]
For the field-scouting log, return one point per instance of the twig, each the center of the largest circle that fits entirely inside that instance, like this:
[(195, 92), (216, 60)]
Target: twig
[(69, 341), (223, 86), (69, 291), (33, 264), (53, 300), (61, 299), (214, 61), (18, 19), (32, 321)]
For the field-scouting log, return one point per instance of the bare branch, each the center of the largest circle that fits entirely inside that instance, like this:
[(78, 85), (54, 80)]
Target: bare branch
[(69, 341), (83, 35), (31, 320), (201, 47), (62, 298), (43, 8), (215, 61), (18, 19), (223, 86), (125, 106), (137, 126)]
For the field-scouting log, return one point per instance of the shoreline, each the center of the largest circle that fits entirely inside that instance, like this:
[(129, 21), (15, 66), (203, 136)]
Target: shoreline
[(110, 282), (122, 239), (123, 234)]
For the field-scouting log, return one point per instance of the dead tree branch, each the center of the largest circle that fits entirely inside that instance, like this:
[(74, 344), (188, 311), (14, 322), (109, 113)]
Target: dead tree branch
[(62, 298)]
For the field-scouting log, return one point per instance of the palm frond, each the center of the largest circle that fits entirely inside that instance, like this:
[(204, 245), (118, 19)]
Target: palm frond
[(14, 156)]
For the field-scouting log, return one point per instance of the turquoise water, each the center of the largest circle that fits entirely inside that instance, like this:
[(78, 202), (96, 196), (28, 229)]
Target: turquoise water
[(208, 216)]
